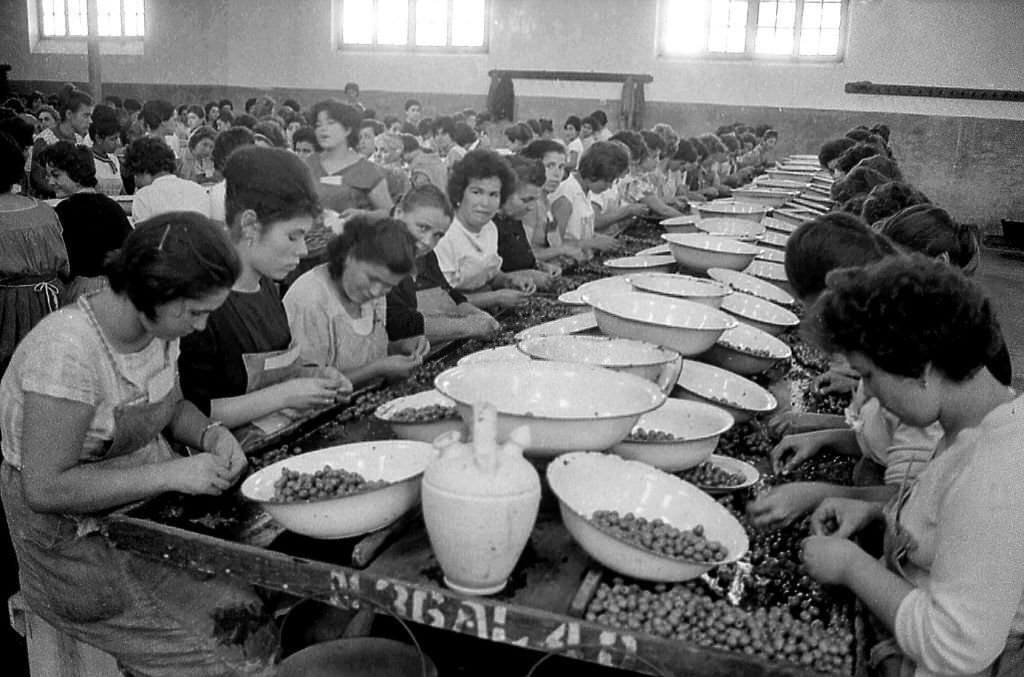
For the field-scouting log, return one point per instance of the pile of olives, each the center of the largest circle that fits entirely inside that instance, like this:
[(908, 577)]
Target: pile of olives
[(425, 414), (660, 537), (328, 482), (707, 474), (688, 612), (644, 435)]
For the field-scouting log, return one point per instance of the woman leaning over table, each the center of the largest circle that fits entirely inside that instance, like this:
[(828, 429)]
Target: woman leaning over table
[(346, 181), (244, 367), (950, 585), (106, 370)]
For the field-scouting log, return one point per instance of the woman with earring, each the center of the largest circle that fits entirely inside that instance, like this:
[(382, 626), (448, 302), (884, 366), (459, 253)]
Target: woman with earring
[(244, 366)]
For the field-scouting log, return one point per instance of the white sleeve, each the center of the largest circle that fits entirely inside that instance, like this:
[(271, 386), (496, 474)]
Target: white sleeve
[(958, 621), (141, 210), (447, 260)]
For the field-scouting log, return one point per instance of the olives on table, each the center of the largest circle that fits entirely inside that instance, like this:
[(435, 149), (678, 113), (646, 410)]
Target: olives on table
[(707, 474), (644, 435), (660, 537), (328, 482), (425, 414)]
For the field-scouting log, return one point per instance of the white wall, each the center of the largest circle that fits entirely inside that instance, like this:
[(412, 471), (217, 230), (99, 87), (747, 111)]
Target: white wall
[(288, 43)]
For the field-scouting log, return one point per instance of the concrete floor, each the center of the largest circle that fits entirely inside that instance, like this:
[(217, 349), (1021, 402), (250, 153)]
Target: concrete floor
[(1002, 276)]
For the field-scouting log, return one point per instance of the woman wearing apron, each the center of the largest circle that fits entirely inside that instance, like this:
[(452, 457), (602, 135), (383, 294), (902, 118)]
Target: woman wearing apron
[(244, 367), (337, 310), (83, 407), (950, 586), (468, 252)]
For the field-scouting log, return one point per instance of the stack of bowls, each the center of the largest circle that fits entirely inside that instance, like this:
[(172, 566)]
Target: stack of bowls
[(698, 252), (699, 290)]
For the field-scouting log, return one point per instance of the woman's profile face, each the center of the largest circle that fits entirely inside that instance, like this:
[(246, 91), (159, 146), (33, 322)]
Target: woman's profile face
[(363, 281), (278, 249), (183, 316), (914, 401), (46, 120)]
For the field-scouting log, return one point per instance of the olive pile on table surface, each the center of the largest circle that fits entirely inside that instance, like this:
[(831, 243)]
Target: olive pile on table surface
[(818, 402), (328, 482), (708, 474), (425, 414), (660, 537), (691, 613), (644, 435), (748, 441)]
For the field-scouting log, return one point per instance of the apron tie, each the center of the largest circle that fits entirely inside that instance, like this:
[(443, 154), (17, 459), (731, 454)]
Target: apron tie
[(47, 287)]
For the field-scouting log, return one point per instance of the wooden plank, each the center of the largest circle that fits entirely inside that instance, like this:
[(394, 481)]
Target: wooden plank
[(586, 592), (485, 618), (571, 76), (932, 91)]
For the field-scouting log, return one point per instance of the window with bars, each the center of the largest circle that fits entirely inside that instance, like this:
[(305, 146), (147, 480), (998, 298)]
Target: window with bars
[(789, 29), (69, 18), (432, 25)]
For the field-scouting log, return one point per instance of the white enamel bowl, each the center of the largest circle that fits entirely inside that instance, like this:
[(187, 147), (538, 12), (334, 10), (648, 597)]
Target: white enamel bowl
[(742, 229), (650, 251), (499, 354), (747, 350), (587, 482), (755, 286), (775, 273), (683, 326), (567, 407), (401, 463), (629, 265), (639, 358), (698, 290), (763, 315), (774, 240), (696, 252), (784, 227), (573, 324), (427, 431), (735, 466), (695, 425), (615, 283), (742, 210), (771, 255), (764, 196), (680, 224), (739, 396)]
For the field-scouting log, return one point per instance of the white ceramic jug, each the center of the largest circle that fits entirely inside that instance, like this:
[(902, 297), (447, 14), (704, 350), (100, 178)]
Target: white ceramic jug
[(480, 502)]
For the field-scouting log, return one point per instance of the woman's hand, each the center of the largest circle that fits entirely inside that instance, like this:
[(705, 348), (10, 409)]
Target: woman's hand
[(510, 298), (835, 381), (603, 243), (414, 346), (798, 422), (200, 474), (397, 367), (843, 517), (481, 324), (784, 504), (828, 559), (795, 449), (222, 444), (521, 283), (636, 209), (552, 269), (309, 393)]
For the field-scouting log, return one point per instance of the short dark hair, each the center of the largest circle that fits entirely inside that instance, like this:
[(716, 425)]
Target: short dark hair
[(409, 103), (854, 154), (480, 164), (149, 156), (832, 149), (574, 122), (464, 134), (243, 120), (76, 161), (132, 105), (155, 112), (889, 198), (386, 242), (860, 181), (821, 245), (699, 148), (19, 129), (589, 120), (770, 134), (444, 124), (70, 98), (653, 141), (600, 116), (172, 256), (272, 132), (634, 142), (930, 230), (409, 143), (12, 163), (519, 132), (347, 116), (528, 171), (104, 123), (604, 161), (227, 141), (114, 101), (226, 102), (905, 313), (199, 133), (305, 134), (274, 183), (352, 86), (210, 105), (685, 152), (196, 110), (426, 195), (538, 148)]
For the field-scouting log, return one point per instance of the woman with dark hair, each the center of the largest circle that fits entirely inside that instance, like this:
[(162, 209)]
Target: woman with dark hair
[(930, 230), (571, 204), (574, 144), (831, 150), (75, 108), (105, 132), (158, 190), (887, 199), (346, 182), (244, 367), (337, 310), (951, 582), (212, 113), (93, 225), (518, 136), (226, 143), (468, 252), (195, 117), (33, 257), (105, 369), (514, 244), (196, 163)]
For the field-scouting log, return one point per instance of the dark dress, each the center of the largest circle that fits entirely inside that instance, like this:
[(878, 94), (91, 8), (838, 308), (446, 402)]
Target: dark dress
[(403, 317), (211, 363), (94, 225), (513, 245), (348, 188)]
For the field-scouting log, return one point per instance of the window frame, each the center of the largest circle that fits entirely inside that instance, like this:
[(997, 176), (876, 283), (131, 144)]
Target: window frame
[(337, 31), (748, 54), (39, 43)]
